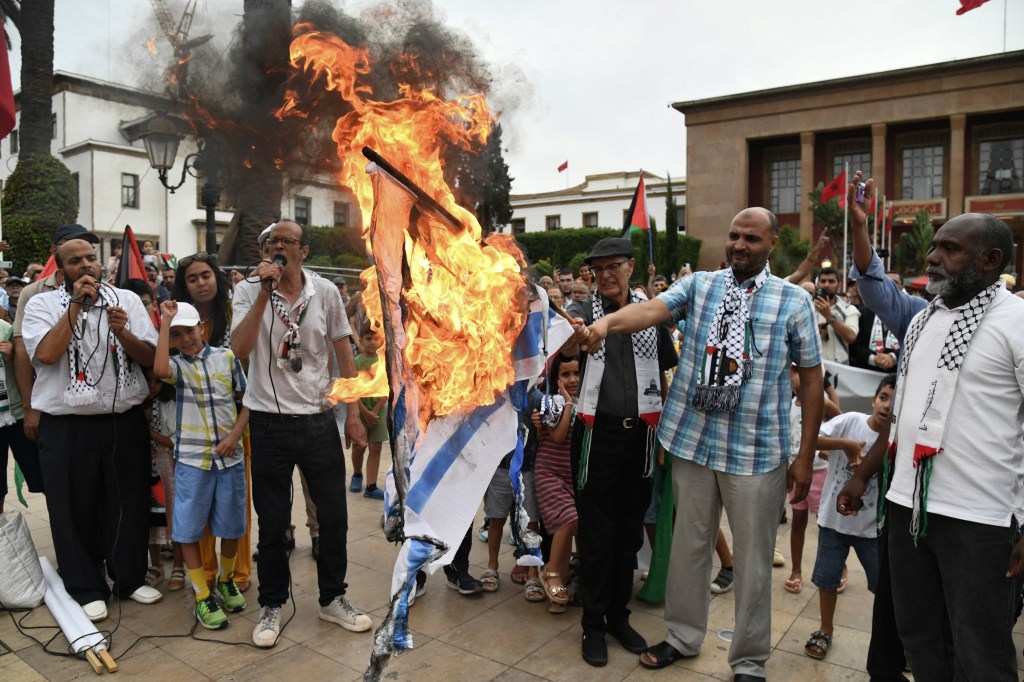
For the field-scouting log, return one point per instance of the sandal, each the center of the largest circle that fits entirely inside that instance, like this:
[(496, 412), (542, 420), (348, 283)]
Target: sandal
[(155, 576), (520, 574), (242, 585), (842, 581), (534, 592), (556, 608), (558, 594), (661, 655), (490, 580), (818, 645), (794, 585), (177, 580)]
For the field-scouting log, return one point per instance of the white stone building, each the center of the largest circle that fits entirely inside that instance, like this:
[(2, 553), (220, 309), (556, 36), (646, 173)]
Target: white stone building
[(117, 186), (599, 201)]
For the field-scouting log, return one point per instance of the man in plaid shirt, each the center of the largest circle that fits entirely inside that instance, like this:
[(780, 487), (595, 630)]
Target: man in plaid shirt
[(727, 422)]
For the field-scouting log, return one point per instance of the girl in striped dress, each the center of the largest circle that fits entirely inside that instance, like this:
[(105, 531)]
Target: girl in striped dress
[(553, 483)]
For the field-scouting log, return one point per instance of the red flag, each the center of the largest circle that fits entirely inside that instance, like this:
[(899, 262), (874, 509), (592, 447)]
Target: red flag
[(636, 216), (6, 91), (563, 167), (132, 266), (968, 5), (836, 188), (50, 267)]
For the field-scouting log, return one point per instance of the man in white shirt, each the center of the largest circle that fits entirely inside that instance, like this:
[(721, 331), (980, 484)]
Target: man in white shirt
[(284, 319), (838, 321), (88, 343), (957, 491)]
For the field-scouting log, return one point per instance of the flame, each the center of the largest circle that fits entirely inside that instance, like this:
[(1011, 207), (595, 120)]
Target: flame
[(151, 44), (465, 301)]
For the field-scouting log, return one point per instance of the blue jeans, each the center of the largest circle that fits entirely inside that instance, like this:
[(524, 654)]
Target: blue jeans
[(954, 604), (833, 549), (279, 443)]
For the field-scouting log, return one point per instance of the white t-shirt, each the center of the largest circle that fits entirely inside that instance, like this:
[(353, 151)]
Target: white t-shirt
[(854, 426), (796, 425), (979, 475)]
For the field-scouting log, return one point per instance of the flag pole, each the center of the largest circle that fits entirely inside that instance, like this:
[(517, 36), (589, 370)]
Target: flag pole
[(874, 236), (846, 213)]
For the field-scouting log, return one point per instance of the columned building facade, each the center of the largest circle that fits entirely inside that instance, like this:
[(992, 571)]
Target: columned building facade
[(947, 138)]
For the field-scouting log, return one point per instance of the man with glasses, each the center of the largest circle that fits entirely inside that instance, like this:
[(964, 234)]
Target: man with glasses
[(285, 318), (727, 423), (612, 450)]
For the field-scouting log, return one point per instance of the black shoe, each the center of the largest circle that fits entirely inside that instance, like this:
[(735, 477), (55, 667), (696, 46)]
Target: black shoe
[(595, 649), (746, 677), (631, 640), (315, 551), (463, 582)]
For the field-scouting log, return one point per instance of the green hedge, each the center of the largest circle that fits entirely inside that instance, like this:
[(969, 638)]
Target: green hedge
[(341, 247), (570, 246), (39, 197)]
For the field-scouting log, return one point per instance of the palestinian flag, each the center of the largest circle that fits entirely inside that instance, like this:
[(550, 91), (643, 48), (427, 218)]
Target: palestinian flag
[(132, 266), (637, 217)]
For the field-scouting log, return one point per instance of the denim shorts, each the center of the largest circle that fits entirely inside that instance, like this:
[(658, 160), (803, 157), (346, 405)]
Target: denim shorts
[(216, 497), (833, 549)]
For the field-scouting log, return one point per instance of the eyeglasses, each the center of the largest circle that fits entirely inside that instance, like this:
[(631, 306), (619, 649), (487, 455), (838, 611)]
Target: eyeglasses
[(202, 257), (284, 241), (611, 268)]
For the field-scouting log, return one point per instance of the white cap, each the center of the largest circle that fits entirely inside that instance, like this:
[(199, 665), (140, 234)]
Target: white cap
[(187, 316), (265, 233)]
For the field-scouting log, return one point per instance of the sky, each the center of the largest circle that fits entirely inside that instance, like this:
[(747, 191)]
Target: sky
[(591, 81)]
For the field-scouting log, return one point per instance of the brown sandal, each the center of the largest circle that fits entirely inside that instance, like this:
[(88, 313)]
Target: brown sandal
[(558, 594), (154, 576), (177, 580)]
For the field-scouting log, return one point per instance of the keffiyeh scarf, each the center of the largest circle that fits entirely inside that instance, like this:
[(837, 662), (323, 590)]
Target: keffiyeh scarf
[(81, 387), (648, 388), (933, 422), (727, 363), (289, 355)]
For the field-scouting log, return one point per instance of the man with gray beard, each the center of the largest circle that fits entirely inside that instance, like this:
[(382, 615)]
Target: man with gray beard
[(956, 457)]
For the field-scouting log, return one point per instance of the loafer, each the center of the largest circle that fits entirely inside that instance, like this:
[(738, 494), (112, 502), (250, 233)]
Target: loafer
[(595, 649), (631, 640), (95, 610), (146, 595)]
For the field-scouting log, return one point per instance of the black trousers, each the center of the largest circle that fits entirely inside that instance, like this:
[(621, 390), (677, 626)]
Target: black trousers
[(96, 473), (885, 651), (611, 510), (279, 444)]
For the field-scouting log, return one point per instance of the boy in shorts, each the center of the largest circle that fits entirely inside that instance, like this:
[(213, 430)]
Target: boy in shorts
[(851, 433), (209, 478), (373, 412)]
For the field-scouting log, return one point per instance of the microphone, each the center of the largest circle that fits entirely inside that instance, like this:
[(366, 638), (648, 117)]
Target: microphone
[(280, 260), (83, 315)]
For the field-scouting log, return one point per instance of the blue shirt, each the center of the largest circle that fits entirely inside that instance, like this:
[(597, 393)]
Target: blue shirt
[(755, 438), (880, 294)]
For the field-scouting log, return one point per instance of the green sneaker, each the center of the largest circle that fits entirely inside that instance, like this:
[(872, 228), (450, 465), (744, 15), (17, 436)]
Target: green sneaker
[(229, 593), (210, 615)]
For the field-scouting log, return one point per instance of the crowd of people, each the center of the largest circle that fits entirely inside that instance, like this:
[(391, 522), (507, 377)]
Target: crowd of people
[(712, 381)]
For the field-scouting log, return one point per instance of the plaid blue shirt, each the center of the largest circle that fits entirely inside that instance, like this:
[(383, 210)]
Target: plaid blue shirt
[(755, 438), (206, 387)]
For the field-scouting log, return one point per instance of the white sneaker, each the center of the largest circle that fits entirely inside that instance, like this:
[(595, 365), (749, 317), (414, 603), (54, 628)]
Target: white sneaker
[(340, 611), (268, 628), (778, 559), (95, 610), (146, 595)]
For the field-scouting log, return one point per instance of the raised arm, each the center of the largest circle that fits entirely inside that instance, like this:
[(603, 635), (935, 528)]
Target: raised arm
[(626, 320)]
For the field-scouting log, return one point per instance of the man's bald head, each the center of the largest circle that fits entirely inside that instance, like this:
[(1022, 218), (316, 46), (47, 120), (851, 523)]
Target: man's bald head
[(757, 213)]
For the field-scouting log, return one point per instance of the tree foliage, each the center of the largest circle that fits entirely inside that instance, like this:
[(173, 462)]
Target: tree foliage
[(789, 251), (911, 252), (40, 196), (341, 247), (480, 182), (671, 229)]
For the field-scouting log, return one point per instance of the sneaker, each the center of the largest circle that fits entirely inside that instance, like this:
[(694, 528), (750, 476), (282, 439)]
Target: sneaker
[(722, 582), (231, 595), (209, 615), (420, 589), (778, 559), (483, 534), (340, 611), (268, 628), (464, 582), (356, 484), (374, 493)]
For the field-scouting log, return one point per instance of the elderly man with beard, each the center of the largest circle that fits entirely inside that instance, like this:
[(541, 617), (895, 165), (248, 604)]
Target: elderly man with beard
[(727, 422), (956, 457), (88, 343)]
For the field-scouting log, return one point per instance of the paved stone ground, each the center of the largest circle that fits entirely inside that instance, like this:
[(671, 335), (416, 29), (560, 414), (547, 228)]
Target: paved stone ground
[(496, 636)]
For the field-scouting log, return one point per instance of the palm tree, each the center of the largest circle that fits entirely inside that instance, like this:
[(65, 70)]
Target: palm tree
[(36, 28)]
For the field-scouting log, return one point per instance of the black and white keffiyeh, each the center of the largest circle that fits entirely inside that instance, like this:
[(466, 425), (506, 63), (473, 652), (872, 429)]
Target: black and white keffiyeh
[(727, 364), (81, 388), (932, 423), (289, 354)]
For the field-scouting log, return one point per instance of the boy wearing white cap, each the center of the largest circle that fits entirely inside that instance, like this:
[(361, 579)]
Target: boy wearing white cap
[(209, 487)]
